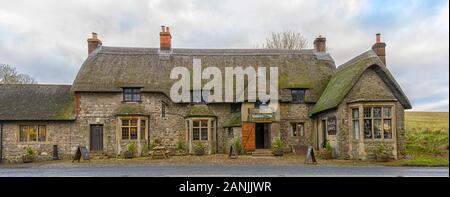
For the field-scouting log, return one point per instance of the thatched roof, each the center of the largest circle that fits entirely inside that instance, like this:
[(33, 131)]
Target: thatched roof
[(234, 121), (108, 69), (36, 102), (200, 110), (131, 109), (348, 74)]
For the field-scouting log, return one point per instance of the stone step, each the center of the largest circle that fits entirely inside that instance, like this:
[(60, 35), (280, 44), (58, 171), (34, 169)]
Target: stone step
[(262, 152)]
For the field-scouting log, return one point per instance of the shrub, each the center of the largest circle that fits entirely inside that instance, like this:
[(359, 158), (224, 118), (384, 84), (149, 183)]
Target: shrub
[(29, 151), (277, 147), (180, 145), (238, 146), (132, 147), (199, 148)]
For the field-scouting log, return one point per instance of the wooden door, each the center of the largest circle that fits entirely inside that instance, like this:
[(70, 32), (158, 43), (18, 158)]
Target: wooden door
[(248, 136), (96, 135)]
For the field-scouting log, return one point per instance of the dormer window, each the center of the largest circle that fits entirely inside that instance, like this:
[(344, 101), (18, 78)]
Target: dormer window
[(298, 95), (132, 94)]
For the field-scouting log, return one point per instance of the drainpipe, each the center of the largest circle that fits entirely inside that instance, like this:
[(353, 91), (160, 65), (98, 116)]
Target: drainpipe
[(1, 142)]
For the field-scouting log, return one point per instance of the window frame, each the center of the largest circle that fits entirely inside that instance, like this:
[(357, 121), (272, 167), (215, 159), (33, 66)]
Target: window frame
[(300, 98), (134, 91), (138, 127), (298, 128), (38, 132), (382, 119), (200, 127)]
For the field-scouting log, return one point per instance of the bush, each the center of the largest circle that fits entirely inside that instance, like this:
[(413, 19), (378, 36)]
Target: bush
[(131, 147), (426, 142), (199, 148), (382, 153), (327, 152), (29, 151), (277, 147), (238, 146), (180, 145)]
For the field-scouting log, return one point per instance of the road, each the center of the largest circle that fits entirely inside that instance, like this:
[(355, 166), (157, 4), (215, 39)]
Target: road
[(229, 171)]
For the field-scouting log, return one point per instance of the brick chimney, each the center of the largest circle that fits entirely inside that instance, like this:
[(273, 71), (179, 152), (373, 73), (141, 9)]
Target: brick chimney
[(320, 44), (379, 48), (165, 39), (93, 43)]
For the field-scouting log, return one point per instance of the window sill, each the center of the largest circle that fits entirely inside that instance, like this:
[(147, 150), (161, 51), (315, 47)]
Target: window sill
[(38, 143), (126, 140), (200, 140), (138, 102), (379, 140)]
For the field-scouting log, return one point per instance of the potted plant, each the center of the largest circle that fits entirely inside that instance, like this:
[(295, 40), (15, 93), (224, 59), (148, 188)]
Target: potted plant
[(131, 150), (381, 153), (277, 147), (327, 152), (199, 148), (28, 157)]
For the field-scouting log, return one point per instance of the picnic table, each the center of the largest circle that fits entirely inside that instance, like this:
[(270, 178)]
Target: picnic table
[(159, 152)]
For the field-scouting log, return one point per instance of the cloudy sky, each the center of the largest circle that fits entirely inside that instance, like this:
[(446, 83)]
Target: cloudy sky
[(47, 38)]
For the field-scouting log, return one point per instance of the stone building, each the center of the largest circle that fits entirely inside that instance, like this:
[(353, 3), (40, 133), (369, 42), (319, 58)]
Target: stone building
[(122, 95)]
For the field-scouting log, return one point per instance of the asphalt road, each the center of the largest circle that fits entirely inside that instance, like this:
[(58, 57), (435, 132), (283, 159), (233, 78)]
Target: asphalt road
[(246, 171)]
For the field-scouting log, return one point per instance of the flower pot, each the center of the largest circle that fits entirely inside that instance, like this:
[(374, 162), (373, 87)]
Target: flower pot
[(128, 154), (27, 158), (278, 152), (382, 157), (326, 155), (199, 152)]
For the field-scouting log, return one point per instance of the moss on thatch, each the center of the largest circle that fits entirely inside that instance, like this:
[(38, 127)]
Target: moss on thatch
[(131, 109), (234, 121), (200, 110), (348, 75)]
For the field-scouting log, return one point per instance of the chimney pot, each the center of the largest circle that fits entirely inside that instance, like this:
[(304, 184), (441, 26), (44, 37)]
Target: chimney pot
[(380, 48), (93, 43), (378, 38), (320, 44), (165, 39)]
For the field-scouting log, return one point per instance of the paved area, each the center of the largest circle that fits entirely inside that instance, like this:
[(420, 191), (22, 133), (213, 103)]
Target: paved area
[(222, 170)]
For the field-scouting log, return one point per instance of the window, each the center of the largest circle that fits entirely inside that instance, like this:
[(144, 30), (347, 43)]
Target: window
[(235, 107), (130, 128), (132, 94), (200, 130), (32, 133), (230, 132), (377, 122), (298, 95), (298, 129), (355, 123), (331, 125)]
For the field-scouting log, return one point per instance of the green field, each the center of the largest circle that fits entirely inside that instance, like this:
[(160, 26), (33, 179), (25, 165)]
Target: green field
[(426, 139)]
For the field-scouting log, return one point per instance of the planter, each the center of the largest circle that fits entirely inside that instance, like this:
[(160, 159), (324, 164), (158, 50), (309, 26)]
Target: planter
[(27, 158), (382, 157), (199, 152), (128, 154), (278, 152), (326, 155)]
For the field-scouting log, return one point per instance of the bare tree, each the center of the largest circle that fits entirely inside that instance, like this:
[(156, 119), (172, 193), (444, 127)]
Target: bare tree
[(286, 40), (9, 75)]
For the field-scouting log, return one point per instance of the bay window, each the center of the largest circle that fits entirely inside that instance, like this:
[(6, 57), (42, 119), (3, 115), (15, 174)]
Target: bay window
[(376, 122), (133, 128)]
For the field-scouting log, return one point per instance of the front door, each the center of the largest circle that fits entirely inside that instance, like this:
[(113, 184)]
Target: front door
[(324, 133), (96, 142), (262, 136)]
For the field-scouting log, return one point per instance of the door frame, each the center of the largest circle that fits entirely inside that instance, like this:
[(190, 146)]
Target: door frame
[(91, 126)]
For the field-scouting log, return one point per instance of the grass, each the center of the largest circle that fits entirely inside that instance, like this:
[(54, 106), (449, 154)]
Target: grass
[(426, 139)]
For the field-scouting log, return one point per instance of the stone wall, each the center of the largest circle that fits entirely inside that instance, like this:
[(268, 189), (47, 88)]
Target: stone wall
[(58, 133), (369, 90), (296, 113)]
